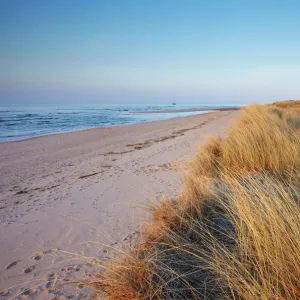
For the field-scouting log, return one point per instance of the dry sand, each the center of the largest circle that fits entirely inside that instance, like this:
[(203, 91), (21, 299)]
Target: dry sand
[(84, 193)]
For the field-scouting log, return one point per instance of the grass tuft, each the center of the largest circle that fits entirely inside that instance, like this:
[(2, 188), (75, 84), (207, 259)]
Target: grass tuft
[(294, 122), (278, 112)]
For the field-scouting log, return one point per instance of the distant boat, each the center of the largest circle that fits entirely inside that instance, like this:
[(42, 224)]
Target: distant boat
[(173, 103)]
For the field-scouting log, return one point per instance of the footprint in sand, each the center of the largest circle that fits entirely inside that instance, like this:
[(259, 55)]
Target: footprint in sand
[(70, 269), (52, 276), (39, 255), (49, 285), (4, 293), (54, 291), (29, 269), (30, 292), (12, 264)]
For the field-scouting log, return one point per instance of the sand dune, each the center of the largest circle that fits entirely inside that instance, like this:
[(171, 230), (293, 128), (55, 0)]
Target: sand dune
[(84, 192)]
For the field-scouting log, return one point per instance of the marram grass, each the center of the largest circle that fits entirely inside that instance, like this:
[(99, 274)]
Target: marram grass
[(234, 233)]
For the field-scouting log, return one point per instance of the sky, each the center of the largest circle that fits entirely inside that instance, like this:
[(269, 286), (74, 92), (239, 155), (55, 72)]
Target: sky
[(191, 51)]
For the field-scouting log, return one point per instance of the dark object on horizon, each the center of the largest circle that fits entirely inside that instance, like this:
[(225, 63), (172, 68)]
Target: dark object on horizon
[(173, 103)]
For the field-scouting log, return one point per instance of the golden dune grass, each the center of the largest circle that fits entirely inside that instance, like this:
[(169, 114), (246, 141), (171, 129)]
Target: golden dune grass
[(263, 139), (287, 104), (234, 233)]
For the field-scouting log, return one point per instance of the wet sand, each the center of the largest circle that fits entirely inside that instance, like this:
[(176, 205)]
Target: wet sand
[(186, 110), (68, 199)]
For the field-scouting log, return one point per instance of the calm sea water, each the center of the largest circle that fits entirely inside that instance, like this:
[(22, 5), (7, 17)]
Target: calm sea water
[(30, 120)]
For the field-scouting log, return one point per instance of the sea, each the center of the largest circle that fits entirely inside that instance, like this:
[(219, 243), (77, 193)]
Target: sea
[(27, 120)]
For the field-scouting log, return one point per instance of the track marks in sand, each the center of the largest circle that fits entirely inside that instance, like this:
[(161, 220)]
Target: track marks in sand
[(89, 175), (106, 167), (53, 282), (148, 143), (41, 189), (174, 134), (171, 166), (116, 153)]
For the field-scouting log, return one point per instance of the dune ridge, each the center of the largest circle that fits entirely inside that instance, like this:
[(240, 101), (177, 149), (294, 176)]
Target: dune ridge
[(233, 233)]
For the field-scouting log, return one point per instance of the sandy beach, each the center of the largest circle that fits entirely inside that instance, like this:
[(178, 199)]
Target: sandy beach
[(67, 199)]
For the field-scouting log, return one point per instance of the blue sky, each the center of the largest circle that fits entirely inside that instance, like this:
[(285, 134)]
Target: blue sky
[(219, 51)]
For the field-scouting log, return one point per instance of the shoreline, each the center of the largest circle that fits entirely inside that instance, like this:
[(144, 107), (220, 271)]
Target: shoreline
[(138, 123), (215, 109), (82, 193)]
